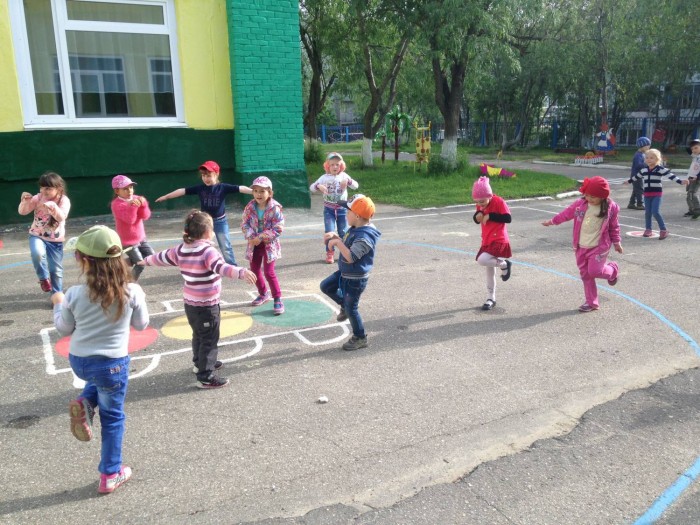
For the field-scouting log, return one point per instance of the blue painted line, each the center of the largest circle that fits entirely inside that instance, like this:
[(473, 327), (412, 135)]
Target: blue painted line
[(14, 265), (685, 480)]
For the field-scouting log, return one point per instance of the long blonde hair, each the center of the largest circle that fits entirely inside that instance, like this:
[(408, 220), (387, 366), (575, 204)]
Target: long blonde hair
[(107, 280)]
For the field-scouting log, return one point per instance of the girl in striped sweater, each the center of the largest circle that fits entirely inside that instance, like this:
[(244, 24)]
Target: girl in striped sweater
[(651, 177), (201, 267)]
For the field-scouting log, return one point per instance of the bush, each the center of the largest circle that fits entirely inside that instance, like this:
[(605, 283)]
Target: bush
[(437, 166), (313, 151)]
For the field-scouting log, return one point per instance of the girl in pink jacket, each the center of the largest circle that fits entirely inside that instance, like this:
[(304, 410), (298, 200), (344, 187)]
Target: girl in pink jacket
[(596, 229), (129, 212)]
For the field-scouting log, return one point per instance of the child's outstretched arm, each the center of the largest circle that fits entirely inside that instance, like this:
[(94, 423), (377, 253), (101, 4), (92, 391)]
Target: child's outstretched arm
[(245, 189), (172, 195), (548, 222)]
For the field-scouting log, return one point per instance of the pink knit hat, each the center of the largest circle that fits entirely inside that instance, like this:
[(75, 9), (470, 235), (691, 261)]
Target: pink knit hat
[(482, 189)]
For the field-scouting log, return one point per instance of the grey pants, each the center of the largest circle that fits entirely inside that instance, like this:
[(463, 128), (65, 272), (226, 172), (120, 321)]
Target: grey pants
[(692, 196)]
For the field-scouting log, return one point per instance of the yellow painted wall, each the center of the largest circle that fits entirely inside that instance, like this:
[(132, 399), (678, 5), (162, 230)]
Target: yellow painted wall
[(204, 67), (204, 63), (10, 104)]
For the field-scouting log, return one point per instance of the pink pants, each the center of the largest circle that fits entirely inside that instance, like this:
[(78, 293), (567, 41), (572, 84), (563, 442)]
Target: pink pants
[(259, 259), (592, 267)]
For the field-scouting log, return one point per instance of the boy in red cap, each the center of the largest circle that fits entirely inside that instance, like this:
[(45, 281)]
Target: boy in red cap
[(596, 229), (356, 248), (212, 197)]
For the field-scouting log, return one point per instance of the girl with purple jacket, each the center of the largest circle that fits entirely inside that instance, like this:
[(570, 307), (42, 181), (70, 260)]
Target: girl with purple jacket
[(596, 229)]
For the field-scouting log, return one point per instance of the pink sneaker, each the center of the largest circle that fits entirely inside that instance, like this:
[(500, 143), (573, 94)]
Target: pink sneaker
[(613, 282), (278, 307), (81, 416), (647, 233), (261, 299), (663, 234), (110, 482), (45, 285), (585, 308), (330, 257)]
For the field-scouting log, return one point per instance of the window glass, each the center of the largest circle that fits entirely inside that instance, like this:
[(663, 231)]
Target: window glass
[(108, 12)]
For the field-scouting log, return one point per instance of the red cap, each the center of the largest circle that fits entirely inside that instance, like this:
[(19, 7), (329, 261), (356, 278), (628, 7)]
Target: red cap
[(595, 187), (210, 165)]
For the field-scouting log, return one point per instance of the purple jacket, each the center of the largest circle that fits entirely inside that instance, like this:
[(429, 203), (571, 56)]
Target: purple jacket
[(609, 231)]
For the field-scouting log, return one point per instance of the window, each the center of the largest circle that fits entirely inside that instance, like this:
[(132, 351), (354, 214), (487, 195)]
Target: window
[(97, 63)]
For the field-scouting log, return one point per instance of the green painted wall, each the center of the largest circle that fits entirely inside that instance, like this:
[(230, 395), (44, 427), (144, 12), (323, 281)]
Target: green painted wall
[(267, 102), (160, 160)]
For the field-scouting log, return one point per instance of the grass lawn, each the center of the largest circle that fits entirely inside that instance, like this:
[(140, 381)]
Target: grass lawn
[(399, 184)]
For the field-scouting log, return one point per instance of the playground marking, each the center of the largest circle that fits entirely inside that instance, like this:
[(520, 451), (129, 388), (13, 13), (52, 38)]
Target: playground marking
[(637, 233)]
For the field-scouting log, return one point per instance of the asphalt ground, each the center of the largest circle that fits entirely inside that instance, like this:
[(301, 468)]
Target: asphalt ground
[(532, 413)]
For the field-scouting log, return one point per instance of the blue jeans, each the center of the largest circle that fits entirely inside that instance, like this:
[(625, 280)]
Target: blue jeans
[(222, 238), (47, 258), (346, 293), (106, 389), (333, 219), (652, 205)]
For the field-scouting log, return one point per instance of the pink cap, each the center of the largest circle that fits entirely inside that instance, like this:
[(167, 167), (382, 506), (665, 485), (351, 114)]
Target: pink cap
[(121, 181), (263, 182), (482, 189), (210, 165)]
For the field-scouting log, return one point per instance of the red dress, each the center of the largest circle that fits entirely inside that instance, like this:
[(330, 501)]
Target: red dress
[(494, 235)]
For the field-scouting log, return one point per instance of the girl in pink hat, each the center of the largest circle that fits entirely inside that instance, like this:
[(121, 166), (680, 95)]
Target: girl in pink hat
[(493, 214), (596, 229)]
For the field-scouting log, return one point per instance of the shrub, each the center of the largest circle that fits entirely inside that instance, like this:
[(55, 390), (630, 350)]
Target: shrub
[(313, 151)]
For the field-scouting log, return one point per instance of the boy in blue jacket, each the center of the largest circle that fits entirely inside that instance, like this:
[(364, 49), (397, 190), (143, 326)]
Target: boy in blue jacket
[(356, 259)]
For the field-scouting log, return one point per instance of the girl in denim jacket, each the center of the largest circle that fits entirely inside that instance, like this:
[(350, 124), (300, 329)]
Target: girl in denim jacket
[(596, 229)]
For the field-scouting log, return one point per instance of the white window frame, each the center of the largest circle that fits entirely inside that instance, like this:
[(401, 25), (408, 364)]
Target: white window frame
[(32, 120)]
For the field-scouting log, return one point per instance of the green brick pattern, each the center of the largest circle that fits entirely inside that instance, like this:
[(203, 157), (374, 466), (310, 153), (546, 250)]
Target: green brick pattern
[(267, 102)]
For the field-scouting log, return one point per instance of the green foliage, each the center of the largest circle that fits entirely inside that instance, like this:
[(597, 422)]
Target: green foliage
[(313, 151)]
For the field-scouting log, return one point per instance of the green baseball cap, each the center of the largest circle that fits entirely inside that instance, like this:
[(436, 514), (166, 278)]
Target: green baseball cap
[(96, 242)]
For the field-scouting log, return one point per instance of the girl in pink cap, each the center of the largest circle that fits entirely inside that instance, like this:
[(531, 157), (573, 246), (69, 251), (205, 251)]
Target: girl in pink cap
[(493, 214), (596, 229), (262, 225)]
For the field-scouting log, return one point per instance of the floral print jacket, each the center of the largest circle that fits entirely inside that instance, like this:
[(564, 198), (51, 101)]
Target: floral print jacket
[(272, 226)]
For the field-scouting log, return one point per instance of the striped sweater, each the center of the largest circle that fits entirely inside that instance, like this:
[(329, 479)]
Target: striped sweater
[(201, 267), (652, 179)]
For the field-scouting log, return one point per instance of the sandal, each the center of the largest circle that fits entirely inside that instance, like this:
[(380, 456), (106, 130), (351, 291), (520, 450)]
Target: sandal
[(506, 271), (488, 305)]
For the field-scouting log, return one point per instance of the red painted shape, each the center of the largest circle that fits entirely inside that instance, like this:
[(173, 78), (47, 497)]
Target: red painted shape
[(138, 340)]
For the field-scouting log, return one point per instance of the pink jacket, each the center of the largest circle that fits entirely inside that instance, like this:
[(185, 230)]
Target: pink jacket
[(272, 226), (129, 219), (609, 231), (43, 214)]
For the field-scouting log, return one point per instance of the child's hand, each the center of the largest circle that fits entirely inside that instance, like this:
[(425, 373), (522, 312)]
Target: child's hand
[(484, 218), (626, 182), (26, 196), (57, 298), (255, 241), (161, 199), (329, 235), (141, 263), (685, 182), (343, 185), (247, 276), (322, 188), (136, 201), (547, 223), (618, 247)]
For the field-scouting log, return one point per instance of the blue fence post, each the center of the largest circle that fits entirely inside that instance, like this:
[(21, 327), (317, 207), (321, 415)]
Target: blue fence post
[(482, 140), (347, 133), (644, 127), (696, 133), (555, 134), (323, 133)]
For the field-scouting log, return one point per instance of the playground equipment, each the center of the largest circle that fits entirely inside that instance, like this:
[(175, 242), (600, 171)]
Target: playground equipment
[(422, 145)]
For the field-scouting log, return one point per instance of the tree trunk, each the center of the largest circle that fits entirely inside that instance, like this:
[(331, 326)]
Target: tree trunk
[(449, 150), (367, 158), (448, 96)]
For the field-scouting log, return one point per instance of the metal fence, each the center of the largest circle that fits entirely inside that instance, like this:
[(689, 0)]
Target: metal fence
[(547, 133)]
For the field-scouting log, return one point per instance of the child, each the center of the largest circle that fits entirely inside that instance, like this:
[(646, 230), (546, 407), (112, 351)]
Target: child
[(334, 185), (129, 212), (596, 228), (651, 176), (262, 225), (637, 198), (97, 315), (47, 232), (201, 267), (693, 183), (355, 262), (493, 214), (212, 197)]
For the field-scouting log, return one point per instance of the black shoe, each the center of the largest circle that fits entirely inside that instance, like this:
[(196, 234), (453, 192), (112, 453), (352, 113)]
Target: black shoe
[(355, 343), (506, 273), (640, 207), (695, 216), (214, 381), (217, 366), (488, 305), (631, 207), (342, 316), (688, 214)]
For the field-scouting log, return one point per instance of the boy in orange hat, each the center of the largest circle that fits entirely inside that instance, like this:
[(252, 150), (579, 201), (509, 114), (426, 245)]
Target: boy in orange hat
[(356, 248)]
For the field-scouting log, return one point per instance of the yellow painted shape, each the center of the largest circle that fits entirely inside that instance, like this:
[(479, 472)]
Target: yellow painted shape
[(10, 104), (202, 34), (232, 323)]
